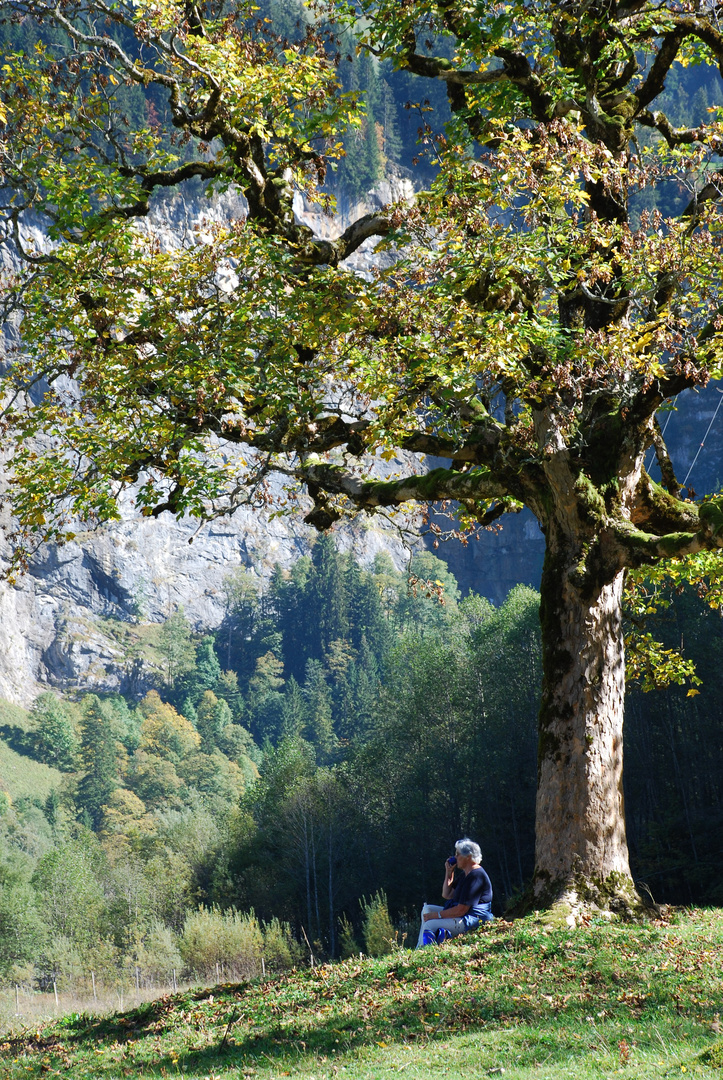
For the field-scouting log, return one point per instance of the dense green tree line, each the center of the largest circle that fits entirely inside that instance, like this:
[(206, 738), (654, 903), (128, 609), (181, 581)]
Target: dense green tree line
[(308, 653), (386, 725), (154, 799), (674, 792)]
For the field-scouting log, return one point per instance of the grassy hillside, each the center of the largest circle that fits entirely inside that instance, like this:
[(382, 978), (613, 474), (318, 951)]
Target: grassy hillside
[(20, 776), (13, 715), (515, 999)]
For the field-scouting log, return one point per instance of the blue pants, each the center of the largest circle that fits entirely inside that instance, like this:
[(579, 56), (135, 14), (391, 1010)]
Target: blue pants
[(454, 927)]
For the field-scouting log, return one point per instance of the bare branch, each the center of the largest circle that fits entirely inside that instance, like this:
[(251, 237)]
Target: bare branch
[(660, 511), (332, 252), (642, 547), (655, 82), (436, 67)]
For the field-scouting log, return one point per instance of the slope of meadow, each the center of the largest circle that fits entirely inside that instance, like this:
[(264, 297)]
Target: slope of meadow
[(20, 776), (517, 999)]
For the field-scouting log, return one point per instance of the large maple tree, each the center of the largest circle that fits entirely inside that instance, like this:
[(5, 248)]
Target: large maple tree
[(556, 284)]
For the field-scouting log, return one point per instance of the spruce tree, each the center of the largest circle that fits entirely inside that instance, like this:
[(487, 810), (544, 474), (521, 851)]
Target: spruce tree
[(203, 676), (98, 759), (366, 614), (266, 699), (319, 728), (227, 688), (238, 632), (328, 605), (208, 670), (293, 711), (176, 647), (287, 607), (388, 117), (364, 681), (361, 166), (213, 719)]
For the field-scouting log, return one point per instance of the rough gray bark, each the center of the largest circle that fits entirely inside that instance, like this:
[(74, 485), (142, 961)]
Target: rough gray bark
[(580, 810)]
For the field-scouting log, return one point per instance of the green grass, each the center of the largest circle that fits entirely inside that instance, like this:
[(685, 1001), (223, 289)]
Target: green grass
[(14, 715), (20, 776), (516, 1000)]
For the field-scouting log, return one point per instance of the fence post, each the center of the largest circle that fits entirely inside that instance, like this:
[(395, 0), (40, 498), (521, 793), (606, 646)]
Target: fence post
[(263, 968), (55, 991), (138, 980), (95, 996), (175, 986), (17, 1001)]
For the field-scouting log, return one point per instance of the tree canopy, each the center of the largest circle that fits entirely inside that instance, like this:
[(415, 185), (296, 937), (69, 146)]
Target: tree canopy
[(555, 284)]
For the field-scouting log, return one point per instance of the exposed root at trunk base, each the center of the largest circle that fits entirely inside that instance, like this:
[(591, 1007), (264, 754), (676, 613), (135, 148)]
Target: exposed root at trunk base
[(575, 902)]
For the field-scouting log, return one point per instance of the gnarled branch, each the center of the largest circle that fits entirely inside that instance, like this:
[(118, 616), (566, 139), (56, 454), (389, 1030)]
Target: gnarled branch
[(426, 487)]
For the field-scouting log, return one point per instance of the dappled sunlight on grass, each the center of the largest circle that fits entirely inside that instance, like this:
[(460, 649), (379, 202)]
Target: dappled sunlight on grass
[(635, 1000)]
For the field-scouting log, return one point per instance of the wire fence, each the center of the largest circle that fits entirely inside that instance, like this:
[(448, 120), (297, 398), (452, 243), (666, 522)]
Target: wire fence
[(23, 1005)]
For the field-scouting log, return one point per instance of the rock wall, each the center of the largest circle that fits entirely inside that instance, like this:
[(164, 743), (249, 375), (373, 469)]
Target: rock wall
[(56, 623)]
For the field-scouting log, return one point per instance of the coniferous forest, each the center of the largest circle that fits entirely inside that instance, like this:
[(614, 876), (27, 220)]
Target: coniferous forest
[(302, 772)]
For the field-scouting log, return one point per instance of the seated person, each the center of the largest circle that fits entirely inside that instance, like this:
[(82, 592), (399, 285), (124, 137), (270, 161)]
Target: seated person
[(468, 903)]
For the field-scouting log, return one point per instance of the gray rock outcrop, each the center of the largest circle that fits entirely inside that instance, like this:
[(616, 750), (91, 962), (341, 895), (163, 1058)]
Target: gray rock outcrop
[(59, 624)]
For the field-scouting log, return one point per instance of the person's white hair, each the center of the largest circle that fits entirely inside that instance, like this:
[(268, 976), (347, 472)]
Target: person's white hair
[(466, 847)]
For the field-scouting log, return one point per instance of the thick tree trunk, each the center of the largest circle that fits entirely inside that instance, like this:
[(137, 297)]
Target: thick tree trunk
[(581, 846)]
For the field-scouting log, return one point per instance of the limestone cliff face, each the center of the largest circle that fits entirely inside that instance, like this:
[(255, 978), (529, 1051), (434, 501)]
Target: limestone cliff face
[(57, 622)]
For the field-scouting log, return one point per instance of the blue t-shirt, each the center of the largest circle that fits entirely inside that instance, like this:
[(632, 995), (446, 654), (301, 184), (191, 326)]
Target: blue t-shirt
[(475, 889)]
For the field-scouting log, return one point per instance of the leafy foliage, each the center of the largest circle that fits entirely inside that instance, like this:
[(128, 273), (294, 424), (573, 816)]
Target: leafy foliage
[(55, 738), (379, 933)]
